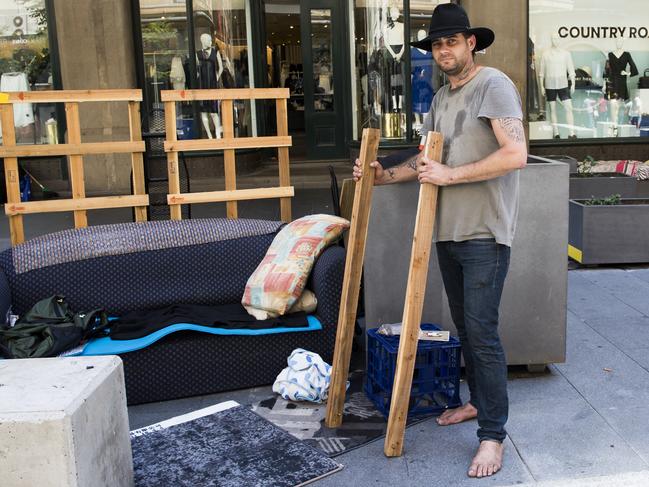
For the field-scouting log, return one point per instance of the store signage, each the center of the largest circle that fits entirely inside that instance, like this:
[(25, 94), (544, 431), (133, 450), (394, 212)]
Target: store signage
[(603, 32)]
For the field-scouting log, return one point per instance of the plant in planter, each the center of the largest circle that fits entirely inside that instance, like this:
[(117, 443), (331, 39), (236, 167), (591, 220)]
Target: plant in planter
[(609, 230), (588, 183), (585, 167)]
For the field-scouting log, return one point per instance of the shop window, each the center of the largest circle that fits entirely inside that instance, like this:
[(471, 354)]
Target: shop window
[(216, 56), (25, 65), (221, 60), (586, 71), (165, 49), (388, 72)]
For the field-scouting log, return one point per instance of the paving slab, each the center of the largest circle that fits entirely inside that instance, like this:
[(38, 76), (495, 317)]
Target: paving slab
[(624, 285), (626, 334), (433, 456), (568, 438), (630, 479), (588, 300), (601, 372)]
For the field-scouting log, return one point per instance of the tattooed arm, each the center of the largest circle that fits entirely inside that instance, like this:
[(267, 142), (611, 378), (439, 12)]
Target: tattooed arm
[(406, 171), (511, 155)]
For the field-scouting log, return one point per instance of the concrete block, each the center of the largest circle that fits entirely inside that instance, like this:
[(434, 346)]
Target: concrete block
[(63, 422)]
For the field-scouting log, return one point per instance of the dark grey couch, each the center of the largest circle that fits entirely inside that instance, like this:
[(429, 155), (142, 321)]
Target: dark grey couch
[(135, 266)]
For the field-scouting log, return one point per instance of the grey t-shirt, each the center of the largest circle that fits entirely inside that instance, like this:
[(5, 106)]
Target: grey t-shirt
[(485, 209)]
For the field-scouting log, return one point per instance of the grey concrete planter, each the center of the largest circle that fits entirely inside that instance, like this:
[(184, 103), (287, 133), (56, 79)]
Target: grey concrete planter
[(600, 185), (533, 308), (614, 234)]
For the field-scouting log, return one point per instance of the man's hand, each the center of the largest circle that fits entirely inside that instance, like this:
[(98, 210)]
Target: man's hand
[(430, 171), (379, 172)]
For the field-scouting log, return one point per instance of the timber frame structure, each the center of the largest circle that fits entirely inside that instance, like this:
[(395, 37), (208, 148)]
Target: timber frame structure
[(75, 150), (229, 143)]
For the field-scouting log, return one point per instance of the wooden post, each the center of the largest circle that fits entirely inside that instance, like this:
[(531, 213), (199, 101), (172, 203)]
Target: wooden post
[(137, 162), (283, 158), (352, 279), (172, 157), (415, 291), (12, 177), (230, 169), (76, 162)]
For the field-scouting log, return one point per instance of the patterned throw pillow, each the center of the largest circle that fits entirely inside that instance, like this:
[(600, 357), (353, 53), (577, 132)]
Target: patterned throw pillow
[(281, 276)]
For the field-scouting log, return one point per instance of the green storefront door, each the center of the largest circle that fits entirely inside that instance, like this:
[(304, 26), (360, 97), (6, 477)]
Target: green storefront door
[(323, 54)]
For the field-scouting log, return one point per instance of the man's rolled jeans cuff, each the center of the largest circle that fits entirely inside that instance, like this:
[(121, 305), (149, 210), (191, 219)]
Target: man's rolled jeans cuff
[(491, 438)]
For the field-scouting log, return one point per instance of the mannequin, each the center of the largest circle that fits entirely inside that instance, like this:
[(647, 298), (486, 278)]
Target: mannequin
[(555, 70), (177, 73), (616, 74), (210, 68), (394, 43), (422, 79)]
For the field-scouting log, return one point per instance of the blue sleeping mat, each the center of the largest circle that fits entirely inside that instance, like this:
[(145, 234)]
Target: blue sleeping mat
[(107, 346)]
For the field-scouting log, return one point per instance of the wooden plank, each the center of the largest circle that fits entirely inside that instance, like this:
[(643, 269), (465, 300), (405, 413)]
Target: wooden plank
[(236, 195), (78, 204), (283, 159), (230, 168), (137, 160), (76, 96), (352, 278), (12, 177), (172, 156), (114, 147), (223, 144), (225, 94), (347, 192), (76, 162), (414, 302)]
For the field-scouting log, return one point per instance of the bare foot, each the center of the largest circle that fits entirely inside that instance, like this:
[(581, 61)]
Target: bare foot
[(488, 460), (458, 415)]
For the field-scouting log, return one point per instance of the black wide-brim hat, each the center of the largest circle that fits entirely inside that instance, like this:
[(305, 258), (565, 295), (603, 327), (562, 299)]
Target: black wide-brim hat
[(449, 19)]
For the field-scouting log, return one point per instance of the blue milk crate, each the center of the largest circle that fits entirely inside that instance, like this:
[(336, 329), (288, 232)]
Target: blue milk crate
[(436, 377)]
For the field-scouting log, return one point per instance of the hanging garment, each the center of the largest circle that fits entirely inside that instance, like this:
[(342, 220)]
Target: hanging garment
[(306, 378), (422, 80), (23, 112), (533, 97), (207, 69), (616, 85), (177, 73), (138, 324)]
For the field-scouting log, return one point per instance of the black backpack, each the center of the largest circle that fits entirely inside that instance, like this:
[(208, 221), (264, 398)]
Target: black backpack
[(643, 81), (50, 328)]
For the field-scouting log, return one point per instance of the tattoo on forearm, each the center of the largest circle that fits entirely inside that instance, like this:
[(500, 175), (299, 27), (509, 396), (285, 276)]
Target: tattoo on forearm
[(391, 173), (412, 164), (513, 128)]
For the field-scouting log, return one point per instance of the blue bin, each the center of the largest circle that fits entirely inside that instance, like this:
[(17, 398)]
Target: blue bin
[(436, 377)]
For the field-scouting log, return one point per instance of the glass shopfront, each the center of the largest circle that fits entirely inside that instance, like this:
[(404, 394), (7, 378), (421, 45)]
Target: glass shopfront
[(318, 49), (395, 83), (588, 69), (205, 49), (25, 65)]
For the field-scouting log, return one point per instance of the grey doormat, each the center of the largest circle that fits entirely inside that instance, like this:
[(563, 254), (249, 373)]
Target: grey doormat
[(224, 445), (362, 422)]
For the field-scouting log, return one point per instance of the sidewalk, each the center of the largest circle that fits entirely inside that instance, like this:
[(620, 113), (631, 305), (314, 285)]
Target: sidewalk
[(582, 423), (579, 424)]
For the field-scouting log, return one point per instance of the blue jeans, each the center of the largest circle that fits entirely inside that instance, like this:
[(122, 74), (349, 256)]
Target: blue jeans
[(474, 273)]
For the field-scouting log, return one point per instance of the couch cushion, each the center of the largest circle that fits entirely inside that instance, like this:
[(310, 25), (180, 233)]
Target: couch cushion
[(208, 273)]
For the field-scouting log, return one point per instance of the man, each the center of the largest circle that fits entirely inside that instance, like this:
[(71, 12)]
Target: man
[(479, 114)]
